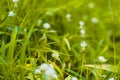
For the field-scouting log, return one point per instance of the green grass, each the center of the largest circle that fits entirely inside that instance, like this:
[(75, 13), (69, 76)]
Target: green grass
[(25, 44)]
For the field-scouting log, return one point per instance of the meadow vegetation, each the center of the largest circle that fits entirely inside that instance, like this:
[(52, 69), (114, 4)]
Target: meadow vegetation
[(59, 40)]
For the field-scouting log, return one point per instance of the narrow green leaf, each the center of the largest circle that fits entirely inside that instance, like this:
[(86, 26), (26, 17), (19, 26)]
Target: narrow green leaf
[(12, 44), (106, 67)]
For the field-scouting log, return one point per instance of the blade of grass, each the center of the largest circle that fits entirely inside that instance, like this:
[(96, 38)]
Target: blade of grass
[(106, 67), (23, 52), (12, 45)]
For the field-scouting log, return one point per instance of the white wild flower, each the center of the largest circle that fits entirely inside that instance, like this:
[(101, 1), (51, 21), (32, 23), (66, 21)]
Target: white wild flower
[(46, 25), (11, 13), (68, 16), (91, 5), (104, 76), (83, 44), (71, 78), (44, 67), (111, 78), (50, 72), (102, 59), (74, 78), (55, 55), (94, 20), (81, 23), (37, 71), (15, 1), (82, 31)]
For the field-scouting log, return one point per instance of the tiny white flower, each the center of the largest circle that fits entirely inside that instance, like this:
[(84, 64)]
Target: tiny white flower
[(91, 5), (44, 66), (94, 20), (11, 13), (102, 59), (74, 78), (50, 71), (50, 74), (46, 25), (37, 71), (55, 55), (15, 1), (68, 15), (82, 31), (111, 78), (104, 76), (81, 23), (83, 44), (71, 78)]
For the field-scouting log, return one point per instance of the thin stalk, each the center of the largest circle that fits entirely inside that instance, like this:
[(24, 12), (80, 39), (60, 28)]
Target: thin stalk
[(115, 64), (82, 65), (101, 71), (110, 7)]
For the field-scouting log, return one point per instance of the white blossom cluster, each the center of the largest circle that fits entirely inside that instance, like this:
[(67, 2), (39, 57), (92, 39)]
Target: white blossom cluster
[(82, 30), (11, 13), (83, 44), (48, 71)]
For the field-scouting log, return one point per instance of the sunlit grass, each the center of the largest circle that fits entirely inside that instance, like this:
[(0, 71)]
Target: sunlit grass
[(59, 40)]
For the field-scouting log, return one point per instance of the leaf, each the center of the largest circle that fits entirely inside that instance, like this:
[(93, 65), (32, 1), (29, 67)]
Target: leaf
[(67, 43), (106, 67), (12, 44)]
